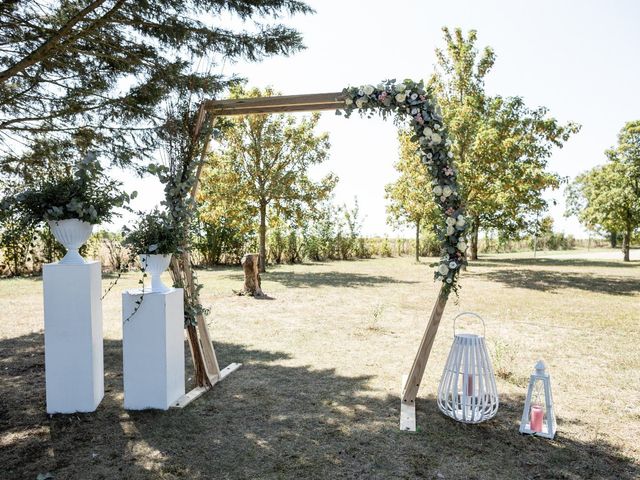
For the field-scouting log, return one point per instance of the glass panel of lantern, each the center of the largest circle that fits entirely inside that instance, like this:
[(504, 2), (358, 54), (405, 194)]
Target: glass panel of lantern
[(467, 391), (538, 417)]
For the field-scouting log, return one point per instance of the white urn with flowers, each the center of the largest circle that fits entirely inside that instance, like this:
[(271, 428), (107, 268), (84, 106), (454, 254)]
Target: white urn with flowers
[(72, 233), (154, 239)]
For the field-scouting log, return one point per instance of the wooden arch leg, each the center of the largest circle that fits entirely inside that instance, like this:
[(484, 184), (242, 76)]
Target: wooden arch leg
[(411, 382)]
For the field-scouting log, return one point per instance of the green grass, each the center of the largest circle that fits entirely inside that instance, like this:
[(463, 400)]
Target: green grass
[(318, 393)]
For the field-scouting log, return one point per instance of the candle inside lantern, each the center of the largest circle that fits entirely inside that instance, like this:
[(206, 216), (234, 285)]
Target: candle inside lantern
[(537, 414), (469, 385)]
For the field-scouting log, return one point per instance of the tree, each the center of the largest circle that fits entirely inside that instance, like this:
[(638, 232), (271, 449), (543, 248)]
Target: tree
[(269, 157), (78, 73), (607, 198), (410, 197), (500, 145)]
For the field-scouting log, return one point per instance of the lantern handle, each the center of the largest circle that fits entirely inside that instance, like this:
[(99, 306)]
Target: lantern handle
[(484, 327)]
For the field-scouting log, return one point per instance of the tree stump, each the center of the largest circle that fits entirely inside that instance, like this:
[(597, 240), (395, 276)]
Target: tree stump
[(251, 266)]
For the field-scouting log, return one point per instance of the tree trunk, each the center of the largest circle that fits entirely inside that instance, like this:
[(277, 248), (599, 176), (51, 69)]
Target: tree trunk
[(613, 238), (250, 264), (475, 234), (626, 240), (418, 241), (263, 236)]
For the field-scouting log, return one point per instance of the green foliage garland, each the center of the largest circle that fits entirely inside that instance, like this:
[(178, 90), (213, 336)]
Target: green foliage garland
[(411, 99)]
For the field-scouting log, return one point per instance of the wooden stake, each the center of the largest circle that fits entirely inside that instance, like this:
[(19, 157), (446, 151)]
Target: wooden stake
[(411, 386)]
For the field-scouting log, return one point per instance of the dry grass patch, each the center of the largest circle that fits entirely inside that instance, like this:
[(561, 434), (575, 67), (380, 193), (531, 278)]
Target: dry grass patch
[(317, 396)]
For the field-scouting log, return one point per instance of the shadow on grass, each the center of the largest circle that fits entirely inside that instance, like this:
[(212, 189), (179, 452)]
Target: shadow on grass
[(552, 282), (269, 420), (333, 279), (554, 262)]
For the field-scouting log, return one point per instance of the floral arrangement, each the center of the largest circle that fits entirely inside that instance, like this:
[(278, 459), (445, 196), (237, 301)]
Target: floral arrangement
[(154, 234), (85, 194), (411, 99)]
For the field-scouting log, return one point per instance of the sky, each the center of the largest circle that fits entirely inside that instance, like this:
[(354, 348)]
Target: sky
[(578, 58)]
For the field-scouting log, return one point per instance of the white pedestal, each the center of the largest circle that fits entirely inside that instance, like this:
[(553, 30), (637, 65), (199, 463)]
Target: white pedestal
[(153, 349), (73, 356)]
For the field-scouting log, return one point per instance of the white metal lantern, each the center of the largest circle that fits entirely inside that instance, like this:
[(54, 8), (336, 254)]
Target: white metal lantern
[(467, 391), (538, 417)]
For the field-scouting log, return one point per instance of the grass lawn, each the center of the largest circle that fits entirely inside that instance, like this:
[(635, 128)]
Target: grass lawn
[(318, 393)]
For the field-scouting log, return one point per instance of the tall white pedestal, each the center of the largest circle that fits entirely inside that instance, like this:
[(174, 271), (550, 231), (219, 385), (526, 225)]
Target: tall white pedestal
[(73, 355), (153, 349)]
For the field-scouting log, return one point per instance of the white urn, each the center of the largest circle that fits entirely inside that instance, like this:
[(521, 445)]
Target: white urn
[(155, 264), (72, 234)]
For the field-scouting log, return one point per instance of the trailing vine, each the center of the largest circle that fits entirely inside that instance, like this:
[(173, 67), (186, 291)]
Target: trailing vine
[(412, 100)]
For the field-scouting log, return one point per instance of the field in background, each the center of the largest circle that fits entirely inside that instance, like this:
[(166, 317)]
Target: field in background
[(317, 396)]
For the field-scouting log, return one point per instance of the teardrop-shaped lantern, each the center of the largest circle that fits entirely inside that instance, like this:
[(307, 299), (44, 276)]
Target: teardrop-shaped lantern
[(467, 391)]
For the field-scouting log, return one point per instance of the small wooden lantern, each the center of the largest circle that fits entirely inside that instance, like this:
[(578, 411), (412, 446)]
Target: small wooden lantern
[(467, 391), (538, 417)]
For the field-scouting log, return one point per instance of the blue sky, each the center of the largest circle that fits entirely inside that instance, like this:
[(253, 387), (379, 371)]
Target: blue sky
[(578, 58)]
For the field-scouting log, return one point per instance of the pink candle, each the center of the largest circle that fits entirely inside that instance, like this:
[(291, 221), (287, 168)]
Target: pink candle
[(469, 385), (537, 414)]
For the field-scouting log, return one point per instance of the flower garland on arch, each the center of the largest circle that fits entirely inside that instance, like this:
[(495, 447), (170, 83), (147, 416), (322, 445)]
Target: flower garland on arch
[(411, 99)]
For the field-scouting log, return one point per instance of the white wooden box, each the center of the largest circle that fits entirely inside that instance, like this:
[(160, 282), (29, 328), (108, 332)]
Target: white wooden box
[(73, 345), (153, 349)]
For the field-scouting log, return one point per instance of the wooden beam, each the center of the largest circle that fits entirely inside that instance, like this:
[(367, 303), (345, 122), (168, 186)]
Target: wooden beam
[(282, 103), (197, 392), (420, 362)]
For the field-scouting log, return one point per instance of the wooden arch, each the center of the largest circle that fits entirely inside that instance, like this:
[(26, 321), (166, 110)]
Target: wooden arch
[(202, 349)]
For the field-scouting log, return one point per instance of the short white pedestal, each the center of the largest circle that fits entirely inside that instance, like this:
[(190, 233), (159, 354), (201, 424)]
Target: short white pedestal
[(74, 369), (153, 349)]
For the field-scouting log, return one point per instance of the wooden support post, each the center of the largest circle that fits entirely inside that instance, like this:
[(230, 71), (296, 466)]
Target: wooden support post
[(412, 384)]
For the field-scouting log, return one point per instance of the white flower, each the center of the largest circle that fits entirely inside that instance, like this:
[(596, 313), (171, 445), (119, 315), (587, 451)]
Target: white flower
[(427, 132), (414, 96), (437, 126), (360, 102), (449, 280), (450, 154), (400, 97), (400, 87), (436, 138), (443, 269), (451, 221), (452, 265), (414, 111), (368, 90), (462, 246), (450, 230), (348, 101), (461, 221), (446, 191), (437, 190), (429, 155)]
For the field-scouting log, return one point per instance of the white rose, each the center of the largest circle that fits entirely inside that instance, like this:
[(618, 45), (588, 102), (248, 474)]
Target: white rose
[(450, 154), (400, 97), (360, 102), (437, 126), (427, 132), (414, 111), (452, 265), (437, 190), (446, 191), (462, 246), (414, 96), (451, 221), (400, 87), (450, 230), (449, 280), (348, 101), (436, 138), (443, 269), (429, 155), (461, 221), (368, 90)]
